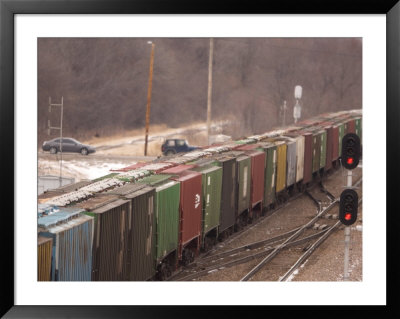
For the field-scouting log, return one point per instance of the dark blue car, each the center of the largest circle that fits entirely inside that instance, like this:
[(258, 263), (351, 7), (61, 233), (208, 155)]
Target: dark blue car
[(174, 146)]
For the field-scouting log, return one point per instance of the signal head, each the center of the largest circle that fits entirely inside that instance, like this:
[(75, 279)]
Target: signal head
[(348, 207), (351, 150)]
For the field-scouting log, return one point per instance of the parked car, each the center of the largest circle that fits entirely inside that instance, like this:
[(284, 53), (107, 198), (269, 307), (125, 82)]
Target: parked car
[(173, 146), (68, 145)]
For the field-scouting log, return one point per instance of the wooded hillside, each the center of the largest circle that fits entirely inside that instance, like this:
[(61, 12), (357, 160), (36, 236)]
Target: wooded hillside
[(104, 81)]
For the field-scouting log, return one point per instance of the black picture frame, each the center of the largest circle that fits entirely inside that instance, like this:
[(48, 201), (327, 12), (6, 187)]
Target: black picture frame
[(8, 10)]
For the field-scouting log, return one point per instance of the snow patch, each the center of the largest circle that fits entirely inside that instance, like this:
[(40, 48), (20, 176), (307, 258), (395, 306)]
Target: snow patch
[(92, 171), (81, 170)]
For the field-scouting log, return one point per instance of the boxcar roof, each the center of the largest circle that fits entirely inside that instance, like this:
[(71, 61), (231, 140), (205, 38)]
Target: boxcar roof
[(126, 189), (178, 169), (189, 175), (154, 180), (67, 225), (58, 217), (109, 206), (41, 240), (96, 202)]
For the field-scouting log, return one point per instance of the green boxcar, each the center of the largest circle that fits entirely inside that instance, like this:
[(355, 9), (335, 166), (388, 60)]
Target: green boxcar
[(316, 150), (322, 162), (341, 134), (358, 121), (290, 161), (105, 176), (240, 142), (212, 185), (246, 141), (243, 183), (270, 173), (132, 176), (167, 213)]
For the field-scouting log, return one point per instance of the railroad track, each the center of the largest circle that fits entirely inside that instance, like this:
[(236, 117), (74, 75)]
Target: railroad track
[(239, 256), (237, 235), (290, 239), (293, 247), (310, 249), (277, 250), (247, 229), (321, 202)]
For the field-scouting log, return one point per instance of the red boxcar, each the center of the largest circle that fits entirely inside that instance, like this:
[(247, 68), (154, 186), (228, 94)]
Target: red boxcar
[(158, 167), (329, 144), (246, 147), (190, 211), (177, 169), (351, 126)]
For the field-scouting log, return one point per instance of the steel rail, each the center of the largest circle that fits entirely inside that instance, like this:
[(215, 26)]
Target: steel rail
[(276, 251), (243, 231), (270, 213), (317, 202), (248, 258), (291, 238), (311, 249), (329, 194), (249, 246), (238, 234), (297, 231)]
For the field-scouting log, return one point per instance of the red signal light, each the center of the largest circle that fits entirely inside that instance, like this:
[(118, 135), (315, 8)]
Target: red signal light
[(347, 216), (348, 207), (350, 160)]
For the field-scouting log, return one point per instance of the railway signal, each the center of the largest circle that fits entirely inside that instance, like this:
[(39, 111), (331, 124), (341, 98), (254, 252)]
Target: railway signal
[(298, 91), (350, 150), (348, 207)]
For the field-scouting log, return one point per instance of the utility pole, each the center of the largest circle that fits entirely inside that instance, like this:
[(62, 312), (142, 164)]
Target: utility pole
[(284, 112), (210, 62), (149, 96), (57, 128)]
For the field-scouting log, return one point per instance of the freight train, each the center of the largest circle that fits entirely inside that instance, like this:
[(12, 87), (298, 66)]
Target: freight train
[(146, 220)]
